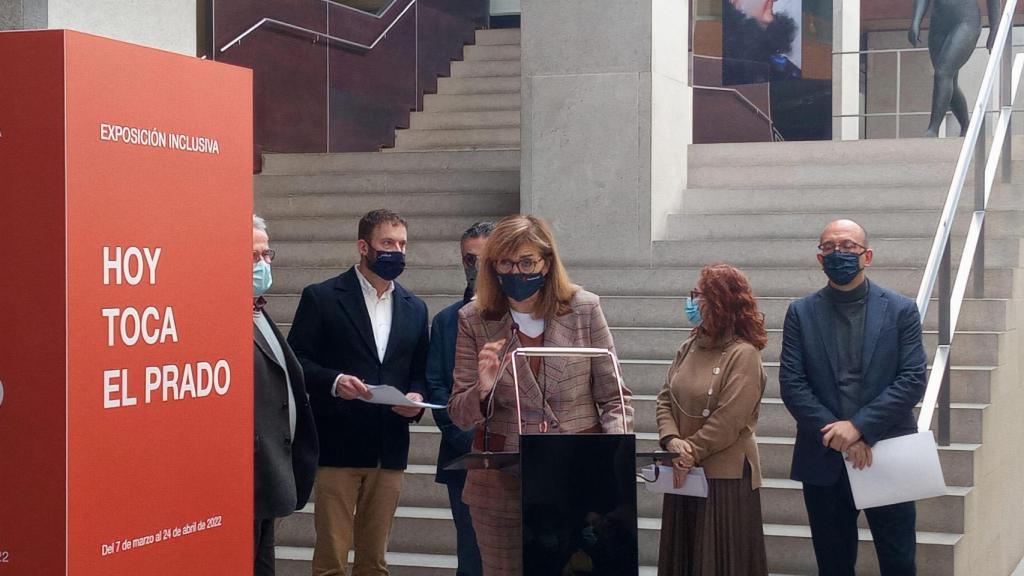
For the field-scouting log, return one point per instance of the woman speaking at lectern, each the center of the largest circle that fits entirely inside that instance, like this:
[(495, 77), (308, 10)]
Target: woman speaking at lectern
[(707, 412), (524, 299)]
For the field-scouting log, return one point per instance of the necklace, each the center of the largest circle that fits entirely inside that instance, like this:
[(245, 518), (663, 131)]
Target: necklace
[(715, 372)]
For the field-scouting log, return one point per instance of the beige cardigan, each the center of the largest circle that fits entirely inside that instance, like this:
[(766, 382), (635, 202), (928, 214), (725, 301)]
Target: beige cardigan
[(725, 439)]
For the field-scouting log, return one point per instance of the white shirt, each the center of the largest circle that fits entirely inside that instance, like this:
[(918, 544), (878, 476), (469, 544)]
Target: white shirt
[(380, 310), (528, 325)]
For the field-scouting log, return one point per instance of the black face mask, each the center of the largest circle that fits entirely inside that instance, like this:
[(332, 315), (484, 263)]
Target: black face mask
[(387, 265)]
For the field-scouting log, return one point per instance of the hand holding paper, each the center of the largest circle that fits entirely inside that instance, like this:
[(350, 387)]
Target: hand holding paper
[(409, 411), (392, 396)]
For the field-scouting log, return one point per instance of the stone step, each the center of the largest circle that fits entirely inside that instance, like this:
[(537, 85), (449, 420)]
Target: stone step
[(467, 139), (480, 85), (781, 502), (343, 229), (969, 348), (665, 281), (498, 36), (788, 546), (824, 175), (776, 454), (297, 561), (824, 198), (470, 102), (342, 254), (666, 311), (792, 251), (485, 68), (775, 420), (491, 52), (414, 162), (466, 204), (637, 343), (834, 152), (970, 384), (464, 120), (809, 224), (387, 183), (658, 312)]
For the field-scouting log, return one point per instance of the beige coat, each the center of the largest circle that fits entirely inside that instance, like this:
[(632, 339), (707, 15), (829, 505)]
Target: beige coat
[(724, 439)]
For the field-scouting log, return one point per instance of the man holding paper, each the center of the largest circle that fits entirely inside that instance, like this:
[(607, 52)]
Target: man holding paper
[(357, 330), (851, 370)]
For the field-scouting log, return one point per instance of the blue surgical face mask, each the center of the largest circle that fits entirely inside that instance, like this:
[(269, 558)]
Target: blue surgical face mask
[(693, 311), (841, 267), (520, 287), (261, 278), (387, 265)]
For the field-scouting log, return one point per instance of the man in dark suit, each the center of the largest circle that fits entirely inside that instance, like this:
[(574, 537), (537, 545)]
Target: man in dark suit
[(357, 329), (454, 441), (286, 443), (851, 370)]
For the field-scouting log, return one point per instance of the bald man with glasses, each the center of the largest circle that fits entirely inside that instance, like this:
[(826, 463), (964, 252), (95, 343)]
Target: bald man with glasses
[(851, 371)]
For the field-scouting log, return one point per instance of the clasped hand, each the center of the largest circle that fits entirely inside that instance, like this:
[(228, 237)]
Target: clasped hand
[(843, 436), (682, 464)]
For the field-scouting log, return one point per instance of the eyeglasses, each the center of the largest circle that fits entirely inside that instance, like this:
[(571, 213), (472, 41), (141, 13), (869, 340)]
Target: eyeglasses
[(694, 294), (267, 255), (525, 265), (844, 246), (470, 260)]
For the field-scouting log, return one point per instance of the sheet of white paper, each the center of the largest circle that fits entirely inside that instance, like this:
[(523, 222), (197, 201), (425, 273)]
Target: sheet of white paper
[(394, 397), (902, 469), (696, 483)]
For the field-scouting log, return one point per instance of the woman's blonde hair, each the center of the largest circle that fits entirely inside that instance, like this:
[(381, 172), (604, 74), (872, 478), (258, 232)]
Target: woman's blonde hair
[(510, 234)]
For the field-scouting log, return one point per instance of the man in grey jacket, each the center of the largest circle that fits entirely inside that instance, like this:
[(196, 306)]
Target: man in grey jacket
[(286, 447)]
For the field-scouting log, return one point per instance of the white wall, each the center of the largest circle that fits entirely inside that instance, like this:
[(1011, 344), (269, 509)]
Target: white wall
[(165, 24), (505, 7)]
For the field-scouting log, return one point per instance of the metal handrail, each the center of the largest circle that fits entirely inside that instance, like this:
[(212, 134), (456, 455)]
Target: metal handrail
[(318, 35), (938, 266), (899, 81), (776, 136)]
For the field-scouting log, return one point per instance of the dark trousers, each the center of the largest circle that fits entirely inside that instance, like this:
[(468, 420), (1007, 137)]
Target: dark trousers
[(263, 541), (467, 549), (833, 520)]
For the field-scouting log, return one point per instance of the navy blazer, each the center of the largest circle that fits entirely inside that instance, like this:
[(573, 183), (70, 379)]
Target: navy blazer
[(332, 335), (894, 365), (455, 442)]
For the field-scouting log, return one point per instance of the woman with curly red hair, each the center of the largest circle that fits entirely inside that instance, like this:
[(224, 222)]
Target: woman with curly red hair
[(707, 412)]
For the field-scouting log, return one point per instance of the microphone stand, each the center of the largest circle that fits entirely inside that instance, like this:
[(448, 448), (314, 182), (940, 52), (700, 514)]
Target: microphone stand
[(505, 356)]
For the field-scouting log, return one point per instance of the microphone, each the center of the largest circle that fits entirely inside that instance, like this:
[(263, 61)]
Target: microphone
[(513, 333)]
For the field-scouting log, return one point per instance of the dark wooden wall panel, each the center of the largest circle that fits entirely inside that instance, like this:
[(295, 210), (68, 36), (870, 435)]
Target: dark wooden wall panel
[(315, 95)]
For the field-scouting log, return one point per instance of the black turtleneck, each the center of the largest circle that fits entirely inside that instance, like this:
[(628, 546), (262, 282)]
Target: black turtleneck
[(850, 311)]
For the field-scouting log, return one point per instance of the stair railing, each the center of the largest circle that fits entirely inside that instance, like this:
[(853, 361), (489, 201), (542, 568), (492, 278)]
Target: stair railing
[(951, 296), (318, 35)]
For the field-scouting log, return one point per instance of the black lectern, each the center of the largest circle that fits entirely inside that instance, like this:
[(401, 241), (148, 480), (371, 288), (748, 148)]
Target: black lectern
[(578, 492), (579, 504)]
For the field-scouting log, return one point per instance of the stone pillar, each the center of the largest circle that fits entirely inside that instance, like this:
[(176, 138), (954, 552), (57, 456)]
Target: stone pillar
[(846, 69), (606, 122)]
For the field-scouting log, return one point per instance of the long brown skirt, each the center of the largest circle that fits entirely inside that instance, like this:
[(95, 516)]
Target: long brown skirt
[(720, 535)]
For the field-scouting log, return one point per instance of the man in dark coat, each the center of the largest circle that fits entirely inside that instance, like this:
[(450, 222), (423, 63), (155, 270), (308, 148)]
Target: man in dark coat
[(454, 441), (350, 332), (286, 446)]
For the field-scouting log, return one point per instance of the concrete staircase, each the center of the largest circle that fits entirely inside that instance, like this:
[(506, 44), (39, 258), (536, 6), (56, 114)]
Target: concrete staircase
[(477, 108), (758, 206)]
